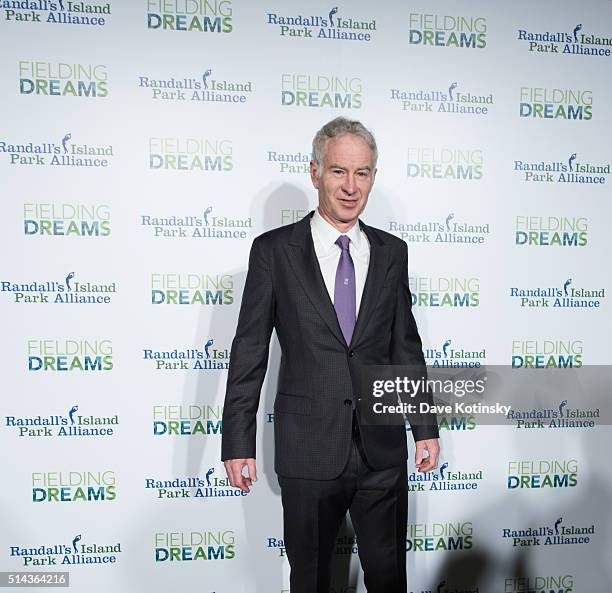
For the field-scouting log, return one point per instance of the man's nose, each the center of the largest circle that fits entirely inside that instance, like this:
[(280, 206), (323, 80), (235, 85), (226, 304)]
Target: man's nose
[(349, 186)]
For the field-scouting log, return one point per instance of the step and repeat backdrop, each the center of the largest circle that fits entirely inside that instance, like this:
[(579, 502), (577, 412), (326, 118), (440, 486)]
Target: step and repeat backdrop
[(145, 143)]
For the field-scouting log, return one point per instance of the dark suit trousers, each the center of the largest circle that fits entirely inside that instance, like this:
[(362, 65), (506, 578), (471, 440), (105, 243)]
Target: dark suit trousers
[(313, 511)]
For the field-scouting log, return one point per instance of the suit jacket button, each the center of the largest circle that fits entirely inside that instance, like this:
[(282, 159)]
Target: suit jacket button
[(351, 353), (348, 402)]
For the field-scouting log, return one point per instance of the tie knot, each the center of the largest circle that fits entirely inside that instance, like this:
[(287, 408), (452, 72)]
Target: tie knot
[(343, 242)]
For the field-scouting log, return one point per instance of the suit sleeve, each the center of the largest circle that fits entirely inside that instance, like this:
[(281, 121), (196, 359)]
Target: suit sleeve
[(248, 358), (407, 349)]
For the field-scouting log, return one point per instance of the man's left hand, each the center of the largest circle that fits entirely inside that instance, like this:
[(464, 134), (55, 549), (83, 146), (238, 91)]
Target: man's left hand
[(423, 463)]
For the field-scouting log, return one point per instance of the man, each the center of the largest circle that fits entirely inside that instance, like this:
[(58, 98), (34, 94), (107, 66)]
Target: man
[(336, 291)]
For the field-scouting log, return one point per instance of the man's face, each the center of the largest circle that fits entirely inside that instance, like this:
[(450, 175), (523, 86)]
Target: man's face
[(346, 180)]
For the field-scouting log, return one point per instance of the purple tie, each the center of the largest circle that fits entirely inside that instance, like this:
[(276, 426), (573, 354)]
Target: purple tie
[(344, 290)]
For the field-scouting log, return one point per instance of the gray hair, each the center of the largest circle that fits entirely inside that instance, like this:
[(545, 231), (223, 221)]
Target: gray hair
[(334, 129)]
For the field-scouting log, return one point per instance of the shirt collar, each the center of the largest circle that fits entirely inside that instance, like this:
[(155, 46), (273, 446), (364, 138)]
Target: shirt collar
[(327, 235)]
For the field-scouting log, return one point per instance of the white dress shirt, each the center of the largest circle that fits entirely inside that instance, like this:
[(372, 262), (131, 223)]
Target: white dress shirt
[(324, 237)]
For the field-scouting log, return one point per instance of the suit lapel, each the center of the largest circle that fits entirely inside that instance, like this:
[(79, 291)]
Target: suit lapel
[(303, 260), (377, 269)]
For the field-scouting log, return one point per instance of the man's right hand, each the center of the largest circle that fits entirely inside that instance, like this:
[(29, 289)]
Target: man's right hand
[(234, 468)]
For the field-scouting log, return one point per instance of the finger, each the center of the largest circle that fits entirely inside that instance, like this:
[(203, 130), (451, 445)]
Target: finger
[(418, 456), (432, 458), (228, 471), (242, 482), (236, 477), (230, 474), (435, 458), (427, 465), (252, 470)]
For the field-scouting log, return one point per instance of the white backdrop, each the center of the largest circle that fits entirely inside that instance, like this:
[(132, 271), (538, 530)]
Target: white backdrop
[(167, 164)]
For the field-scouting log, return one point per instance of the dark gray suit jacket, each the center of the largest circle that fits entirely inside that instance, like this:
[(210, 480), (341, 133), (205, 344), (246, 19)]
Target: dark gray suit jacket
[(319, 373)]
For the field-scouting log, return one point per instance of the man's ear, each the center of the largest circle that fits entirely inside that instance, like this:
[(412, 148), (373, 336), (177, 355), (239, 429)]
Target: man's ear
[(373, 178), (313, 175)]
